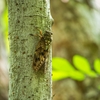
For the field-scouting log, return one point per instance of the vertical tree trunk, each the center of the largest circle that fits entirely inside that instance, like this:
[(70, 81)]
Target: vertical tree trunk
[(27, 19)]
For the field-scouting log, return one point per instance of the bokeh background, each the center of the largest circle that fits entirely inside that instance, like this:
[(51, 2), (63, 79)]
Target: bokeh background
[(76, 49)]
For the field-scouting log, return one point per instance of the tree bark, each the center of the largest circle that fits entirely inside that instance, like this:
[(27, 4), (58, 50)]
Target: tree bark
[(27, 18)]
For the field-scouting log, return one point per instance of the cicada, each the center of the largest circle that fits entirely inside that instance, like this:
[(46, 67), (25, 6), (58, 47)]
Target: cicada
[(42, 51)]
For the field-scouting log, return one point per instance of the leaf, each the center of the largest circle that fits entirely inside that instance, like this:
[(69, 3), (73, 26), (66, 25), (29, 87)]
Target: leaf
[(76, 75), (63, 69), (61, 64), (97, 65), (59, 75), (83, 65)]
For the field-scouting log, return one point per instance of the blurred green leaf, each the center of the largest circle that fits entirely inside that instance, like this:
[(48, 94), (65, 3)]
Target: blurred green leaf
[(61, 64), (76, 75), (57, 75), (63, 69), (5, 27), (5, 19), (97, 65), (83, 65)]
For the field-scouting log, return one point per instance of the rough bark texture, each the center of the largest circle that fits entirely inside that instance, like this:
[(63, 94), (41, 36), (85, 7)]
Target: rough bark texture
[(26, 18)]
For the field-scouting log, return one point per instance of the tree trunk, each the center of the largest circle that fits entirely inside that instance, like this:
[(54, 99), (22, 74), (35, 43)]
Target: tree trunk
[(27, 20)]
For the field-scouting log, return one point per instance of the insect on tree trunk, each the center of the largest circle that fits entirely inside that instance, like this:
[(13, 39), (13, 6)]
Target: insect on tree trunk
[(30, 40)]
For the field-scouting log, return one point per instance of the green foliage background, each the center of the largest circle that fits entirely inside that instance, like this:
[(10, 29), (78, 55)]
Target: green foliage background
[(63, 69), (4, 24)]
